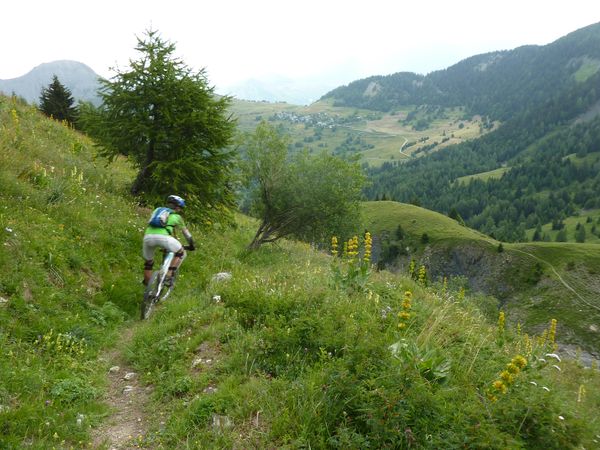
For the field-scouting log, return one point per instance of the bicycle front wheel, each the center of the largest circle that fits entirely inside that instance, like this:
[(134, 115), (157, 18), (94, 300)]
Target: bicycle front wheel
[(168, 291), (150, 296)]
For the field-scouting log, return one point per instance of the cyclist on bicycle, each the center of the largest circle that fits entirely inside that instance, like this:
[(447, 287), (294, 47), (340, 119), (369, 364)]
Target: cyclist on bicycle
[(164, 237)]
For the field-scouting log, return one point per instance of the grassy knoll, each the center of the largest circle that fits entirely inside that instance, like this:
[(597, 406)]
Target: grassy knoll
[(534, 281), (387, 215), (296, 350)]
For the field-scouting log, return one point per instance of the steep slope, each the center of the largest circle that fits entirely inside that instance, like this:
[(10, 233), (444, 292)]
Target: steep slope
[(292, 351), (69, 277), (546, 147), (81, 80)]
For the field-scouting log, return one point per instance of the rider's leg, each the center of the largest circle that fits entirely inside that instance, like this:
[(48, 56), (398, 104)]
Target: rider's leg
[(148, 265), (177, 260), (148, 247)]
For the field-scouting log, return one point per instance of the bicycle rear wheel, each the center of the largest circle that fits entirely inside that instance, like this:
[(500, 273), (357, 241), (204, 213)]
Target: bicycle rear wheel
[(150, 296)]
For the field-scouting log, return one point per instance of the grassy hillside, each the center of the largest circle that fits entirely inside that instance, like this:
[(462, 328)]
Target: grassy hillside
[(69, 277), (296, 350), (534, 281), (590, 220)]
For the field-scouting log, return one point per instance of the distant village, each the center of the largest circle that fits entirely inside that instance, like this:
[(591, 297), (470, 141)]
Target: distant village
[(321, 120)]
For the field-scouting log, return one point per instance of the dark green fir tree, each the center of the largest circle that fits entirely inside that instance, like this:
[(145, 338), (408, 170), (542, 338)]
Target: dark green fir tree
[(56, 101)]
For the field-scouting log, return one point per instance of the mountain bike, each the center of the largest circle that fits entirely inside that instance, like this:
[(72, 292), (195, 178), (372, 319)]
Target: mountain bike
[(159, 287)]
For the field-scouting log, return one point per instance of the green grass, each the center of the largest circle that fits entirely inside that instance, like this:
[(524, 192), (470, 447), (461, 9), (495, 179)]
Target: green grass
[(484, 176), (387, 215), (587, 69), (69, 276), (589, 219), (297, 360)]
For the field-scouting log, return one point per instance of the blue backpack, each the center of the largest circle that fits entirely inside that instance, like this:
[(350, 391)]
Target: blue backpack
[(159, 217)]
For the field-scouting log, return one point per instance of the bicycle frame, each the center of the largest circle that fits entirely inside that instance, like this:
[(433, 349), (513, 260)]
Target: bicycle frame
[(163, 271), (153, 293)]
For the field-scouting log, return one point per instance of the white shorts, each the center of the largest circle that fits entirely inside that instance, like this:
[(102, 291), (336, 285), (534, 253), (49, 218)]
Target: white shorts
[(154, 241)]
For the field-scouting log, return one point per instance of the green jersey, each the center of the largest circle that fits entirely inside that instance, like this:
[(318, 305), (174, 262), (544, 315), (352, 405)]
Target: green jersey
[(174, 221)]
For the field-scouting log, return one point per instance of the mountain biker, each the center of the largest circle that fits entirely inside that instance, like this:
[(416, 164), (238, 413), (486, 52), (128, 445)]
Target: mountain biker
[(164, 237)]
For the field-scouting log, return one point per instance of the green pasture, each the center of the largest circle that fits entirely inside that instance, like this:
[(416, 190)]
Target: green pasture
[(484, 176), (590, 220)]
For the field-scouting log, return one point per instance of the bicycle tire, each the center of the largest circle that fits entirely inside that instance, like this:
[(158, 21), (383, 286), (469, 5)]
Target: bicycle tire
[(150, 296)]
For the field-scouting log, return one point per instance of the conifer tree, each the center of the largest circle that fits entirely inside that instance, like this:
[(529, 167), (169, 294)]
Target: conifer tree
[(580, 234), (167, 120), (537, 234), (56, 101)]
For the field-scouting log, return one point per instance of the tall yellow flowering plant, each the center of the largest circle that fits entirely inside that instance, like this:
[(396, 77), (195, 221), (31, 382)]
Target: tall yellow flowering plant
[(351, 271)]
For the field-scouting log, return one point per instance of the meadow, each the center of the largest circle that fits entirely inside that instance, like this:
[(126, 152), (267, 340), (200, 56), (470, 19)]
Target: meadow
[(298, 349)]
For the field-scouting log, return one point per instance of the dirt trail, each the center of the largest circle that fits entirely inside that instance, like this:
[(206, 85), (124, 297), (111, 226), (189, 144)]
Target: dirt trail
[(127, 399), (564, 283)]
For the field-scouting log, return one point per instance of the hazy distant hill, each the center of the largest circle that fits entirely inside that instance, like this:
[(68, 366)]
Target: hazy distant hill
[(79, 78), (280, 89)]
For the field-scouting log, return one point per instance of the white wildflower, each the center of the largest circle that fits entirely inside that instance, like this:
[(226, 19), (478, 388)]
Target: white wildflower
[(557, 368), (545, 388), (561, 417), (533, 382), (553, 355)]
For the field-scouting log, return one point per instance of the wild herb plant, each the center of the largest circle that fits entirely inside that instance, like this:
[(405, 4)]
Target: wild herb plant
[(353, 271)]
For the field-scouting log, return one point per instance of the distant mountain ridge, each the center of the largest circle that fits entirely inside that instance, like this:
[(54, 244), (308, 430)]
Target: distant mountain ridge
[(498, 84), (81, 80)]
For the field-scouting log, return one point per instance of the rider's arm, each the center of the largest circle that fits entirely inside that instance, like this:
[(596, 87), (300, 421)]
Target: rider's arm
[(188, 237)]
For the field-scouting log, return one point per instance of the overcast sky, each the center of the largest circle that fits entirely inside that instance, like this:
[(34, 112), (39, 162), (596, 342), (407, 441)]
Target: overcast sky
[(240, 39)]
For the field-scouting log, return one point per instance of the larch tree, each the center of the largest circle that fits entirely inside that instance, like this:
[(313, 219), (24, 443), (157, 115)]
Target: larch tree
[(167, 120)]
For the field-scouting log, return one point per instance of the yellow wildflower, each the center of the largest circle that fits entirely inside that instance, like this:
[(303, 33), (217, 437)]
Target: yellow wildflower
[(552, 332), (499, 386), (507, 377), (501, 322), (519, 361), (513, 368)]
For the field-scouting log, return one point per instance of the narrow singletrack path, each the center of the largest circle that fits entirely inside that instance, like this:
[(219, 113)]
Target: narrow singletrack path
[(127, 398)]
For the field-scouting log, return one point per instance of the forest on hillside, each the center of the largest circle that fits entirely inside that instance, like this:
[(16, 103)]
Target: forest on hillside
[(545, 97), (554, 169)]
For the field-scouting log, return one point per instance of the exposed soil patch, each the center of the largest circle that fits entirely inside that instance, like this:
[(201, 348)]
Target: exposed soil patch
[(127, 424)]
